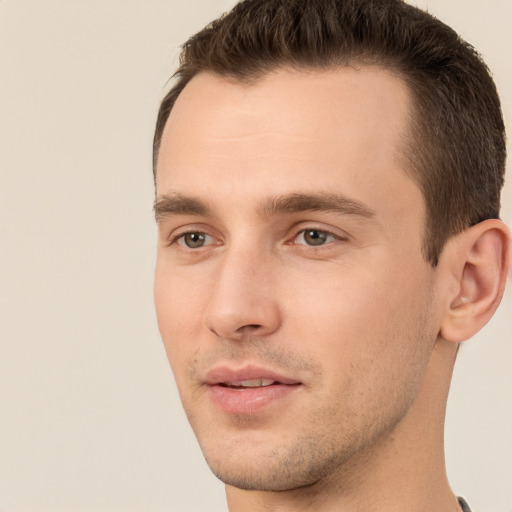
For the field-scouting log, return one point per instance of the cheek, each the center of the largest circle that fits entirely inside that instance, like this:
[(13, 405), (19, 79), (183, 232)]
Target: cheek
[(179, 309), (373, 340), (359, 314), (343, 299)]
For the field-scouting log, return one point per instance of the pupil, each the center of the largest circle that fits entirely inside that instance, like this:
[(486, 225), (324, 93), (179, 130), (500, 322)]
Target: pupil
[(194, 240), (315, 237)]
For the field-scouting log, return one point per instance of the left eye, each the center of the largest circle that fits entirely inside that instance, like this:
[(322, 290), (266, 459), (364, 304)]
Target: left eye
[(314, 237)]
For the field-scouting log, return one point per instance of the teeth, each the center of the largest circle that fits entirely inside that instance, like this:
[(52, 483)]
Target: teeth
[(255, 383)]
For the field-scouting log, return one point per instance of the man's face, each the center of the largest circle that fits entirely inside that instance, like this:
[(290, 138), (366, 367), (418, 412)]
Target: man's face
[(292, 296)]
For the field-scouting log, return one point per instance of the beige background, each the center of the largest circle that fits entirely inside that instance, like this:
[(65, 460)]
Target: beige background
[(89, 418)]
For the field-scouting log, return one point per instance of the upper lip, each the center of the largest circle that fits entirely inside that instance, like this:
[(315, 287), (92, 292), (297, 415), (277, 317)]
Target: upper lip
[(227, 375)]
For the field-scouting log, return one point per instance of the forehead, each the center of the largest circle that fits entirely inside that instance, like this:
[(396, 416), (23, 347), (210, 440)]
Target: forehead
[(284, 98), (289, 131)]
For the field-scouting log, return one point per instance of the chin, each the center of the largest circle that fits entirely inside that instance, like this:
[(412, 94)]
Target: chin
[(261, 479), (274, 471)]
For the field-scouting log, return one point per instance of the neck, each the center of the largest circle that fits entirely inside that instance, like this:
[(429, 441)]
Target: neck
[(403, 471)]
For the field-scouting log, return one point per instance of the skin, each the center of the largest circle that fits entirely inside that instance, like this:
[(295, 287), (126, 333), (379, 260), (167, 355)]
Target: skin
[(357, 320)]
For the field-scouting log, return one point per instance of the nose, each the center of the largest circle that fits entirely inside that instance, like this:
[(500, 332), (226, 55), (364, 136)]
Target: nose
[(243, 301)]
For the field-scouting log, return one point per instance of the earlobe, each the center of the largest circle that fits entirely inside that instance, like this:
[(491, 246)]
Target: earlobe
[(480, 263)]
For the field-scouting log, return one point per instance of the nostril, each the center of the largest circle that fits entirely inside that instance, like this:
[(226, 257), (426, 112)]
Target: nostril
[(250, 327), (233, 317)]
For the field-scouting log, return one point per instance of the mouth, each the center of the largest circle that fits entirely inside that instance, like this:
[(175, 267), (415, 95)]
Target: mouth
[(253, 383), (248, 390)]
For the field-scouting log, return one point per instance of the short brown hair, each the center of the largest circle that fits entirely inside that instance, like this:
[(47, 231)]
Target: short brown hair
[(456, 151)]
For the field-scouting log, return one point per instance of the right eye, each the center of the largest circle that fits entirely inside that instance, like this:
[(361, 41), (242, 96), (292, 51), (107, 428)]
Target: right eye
[(195, 240)]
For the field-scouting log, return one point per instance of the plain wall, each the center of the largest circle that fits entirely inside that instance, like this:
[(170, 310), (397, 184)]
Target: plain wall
[(89, 416)]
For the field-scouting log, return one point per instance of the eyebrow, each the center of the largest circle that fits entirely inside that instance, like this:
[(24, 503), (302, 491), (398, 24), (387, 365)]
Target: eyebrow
[(179, 204), (323, 202)]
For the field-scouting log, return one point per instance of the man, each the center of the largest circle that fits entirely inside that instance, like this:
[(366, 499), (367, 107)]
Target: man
[(327, 177)]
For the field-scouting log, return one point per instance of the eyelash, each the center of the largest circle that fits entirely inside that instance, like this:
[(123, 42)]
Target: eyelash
[(182, 236), (325, 232)]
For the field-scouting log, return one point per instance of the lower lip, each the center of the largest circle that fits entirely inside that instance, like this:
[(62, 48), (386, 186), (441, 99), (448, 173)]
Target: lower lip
[(248, 400)]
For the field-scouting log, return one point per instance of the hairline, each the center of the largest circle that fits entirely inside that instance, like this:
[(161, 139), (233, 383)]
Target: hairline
[(254, 76)]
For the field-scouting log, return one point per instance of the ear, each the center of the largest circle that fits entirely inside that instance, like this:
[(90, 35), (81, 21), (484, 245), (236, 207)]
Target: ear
[(478, 263)]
